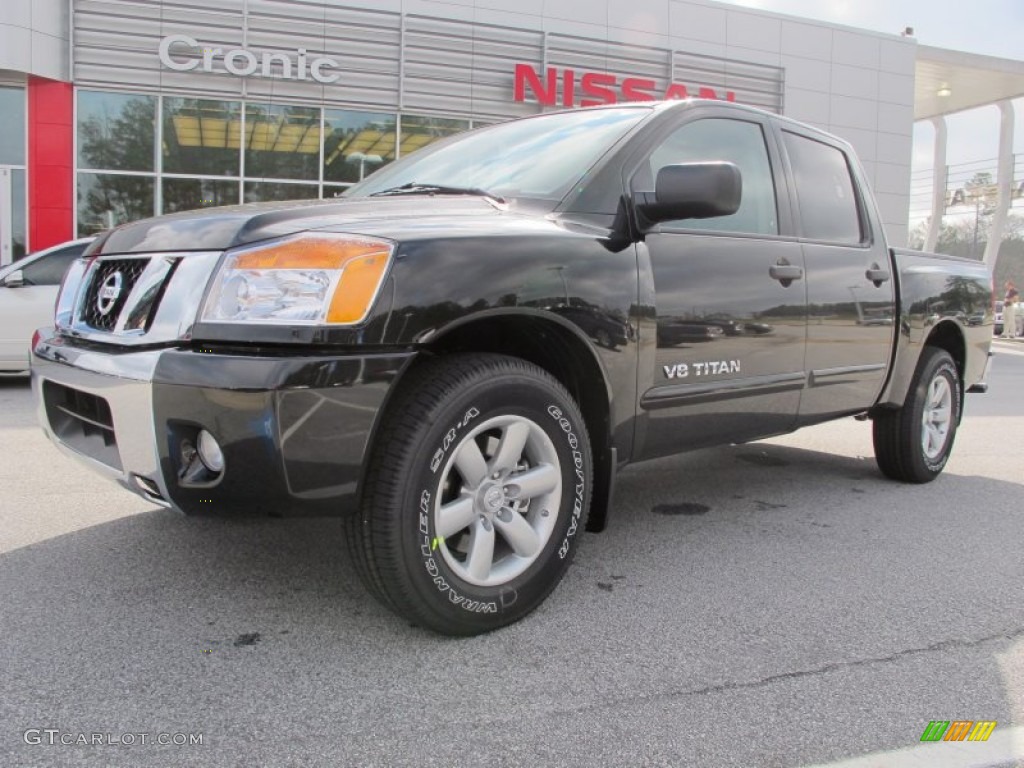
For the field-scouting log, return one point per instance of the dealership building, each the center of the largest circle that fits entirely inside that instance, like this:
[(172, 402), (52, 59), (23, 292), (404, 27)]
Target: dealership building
[(113, 110)]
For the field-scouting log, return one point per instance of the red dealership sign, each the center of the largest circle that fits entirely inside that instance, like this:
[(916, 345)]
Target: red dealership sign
[(590, 89)]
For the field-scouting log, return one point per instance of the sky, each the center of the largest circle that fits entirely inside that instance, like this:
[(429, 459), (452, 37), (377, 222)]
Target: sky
[(992, 27)]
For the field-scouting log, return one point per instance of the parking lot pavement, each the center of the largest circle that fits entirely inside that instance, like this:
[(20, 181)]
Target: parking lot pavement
[(772, 604)]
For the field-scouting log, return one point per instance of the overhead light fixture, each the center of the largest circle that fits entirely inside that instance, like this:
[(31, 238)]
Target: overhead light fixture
[(944, 91)]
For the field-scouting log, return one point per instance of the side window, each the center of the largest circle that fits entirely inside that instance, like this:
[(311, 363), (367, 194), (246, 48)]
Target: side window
[(824, 187), (50, 269), (734, 141)]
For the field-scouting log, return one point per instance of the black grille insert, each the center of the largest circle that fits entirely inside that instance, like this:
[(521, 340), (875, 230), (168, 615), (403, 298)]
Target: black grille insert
[(111, 282), (82, 421)]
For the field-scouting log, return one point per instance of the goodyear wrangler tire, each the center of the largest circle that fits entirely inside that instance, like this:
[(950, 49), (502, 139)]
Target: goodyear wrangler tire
[(476, 495), (913, 444)]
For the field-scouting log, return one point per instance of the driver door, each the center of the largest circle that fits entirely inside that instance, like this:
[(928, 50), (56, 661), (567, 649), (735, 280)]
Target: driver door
[(729, 295)]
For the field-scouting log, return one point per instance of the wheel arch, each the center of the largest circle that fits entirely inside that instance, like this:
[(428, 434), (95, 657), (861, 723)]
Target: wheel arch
[(946, 335), (562, 350), (949, 336)]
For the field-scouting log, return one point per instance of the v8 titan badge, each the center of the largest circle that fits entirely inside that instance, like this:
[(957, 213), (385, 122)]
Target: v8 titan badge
[(710, 368), (109, 292)]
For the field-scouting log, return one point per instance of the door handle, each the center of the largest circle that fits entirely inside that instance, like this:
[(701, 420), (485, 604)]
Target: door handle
[(785, 272), (877, 275)]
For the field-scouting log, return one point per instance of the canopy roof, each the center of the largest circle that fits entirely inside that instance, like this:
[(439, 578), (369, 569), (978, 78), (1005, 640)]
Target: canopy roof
[(972, 80)]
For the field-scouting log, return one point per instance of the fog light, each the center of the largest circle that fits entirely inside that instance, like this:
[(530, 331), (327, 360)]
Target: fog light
[(209, 452)]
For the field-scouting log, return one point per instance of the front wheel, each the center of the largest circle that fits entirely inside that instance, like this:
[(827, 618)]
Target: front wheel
[(913, 443), (477, 489)]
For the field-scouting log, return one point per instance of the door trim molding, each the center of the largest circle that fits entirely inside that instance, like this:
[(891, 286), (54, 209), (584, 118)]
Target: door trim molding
[(830, 374), (668, 395)]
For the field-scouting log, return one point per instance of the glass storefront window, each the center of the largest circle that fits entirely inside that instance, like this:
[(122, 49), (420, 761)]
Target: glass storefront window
[(12, 126), (205, 139), (334, 190), (418, 131), (106, 200), (202, 136), (19, 229), (189, 194), (116, 131), (357, 143), (265, 191), (282, 142)]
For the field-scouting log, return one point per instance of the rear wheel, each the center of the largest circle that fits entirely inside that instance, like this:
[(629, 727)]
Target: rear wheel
[(477, 490), (913, 443)]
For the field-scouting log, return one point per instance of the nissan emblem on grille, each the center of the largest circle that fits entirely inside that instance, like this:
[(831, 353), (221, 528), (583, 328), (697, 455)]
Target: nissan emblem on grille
[(108, 293), (110, 286)]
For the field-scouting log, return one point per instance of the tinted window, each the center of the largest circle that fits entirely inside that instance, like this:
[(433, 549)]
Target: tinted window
[(12, 126), (828, 202), (265, 191), (51, 268), (202, 136), (188, 194), (418, 131), (116, 131), (106, 200), (19, 232), (733, 141), (357, 143), (282, 142)]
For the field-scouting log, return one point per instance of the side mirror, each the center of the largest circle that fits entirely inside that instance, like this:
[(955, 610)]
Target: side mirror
[(694, 191), (15, 279)]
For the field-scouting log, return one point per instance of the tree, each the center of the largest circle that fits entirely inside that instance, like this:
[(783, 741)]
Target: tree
[(983, 195), (957, 239)]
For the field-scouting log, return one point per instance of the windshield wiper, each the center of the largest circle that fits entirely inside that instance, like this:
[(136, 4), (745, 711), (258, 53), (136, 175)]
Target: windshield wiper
[(419, 188)]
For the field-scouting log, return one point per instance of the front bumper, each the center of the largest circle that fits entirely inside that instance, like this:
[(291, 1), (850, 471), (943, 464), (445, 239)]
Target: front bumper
[(294, 430)]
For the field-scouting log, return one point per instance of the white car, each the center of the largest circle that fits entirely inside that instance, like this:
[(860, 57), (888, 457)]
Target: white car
[(28, 293)]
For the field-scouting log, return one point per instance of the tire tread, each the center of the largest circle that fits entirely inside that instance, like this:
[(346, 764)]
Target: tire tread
[(372, 533), (896, 433)]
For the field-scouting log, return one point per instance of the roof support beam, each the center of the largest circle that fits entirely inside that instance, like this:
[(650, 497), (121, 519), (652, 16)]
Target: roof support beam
[(1004, 182)]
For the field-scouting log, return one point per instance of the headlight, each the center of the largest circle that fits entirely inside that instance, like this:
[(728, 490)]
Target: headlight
[(309, 279)]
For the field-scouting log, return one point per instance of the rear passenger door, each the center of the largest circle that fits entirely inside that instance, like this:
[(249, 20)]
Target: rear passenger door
[(850, 288), (729, 299)]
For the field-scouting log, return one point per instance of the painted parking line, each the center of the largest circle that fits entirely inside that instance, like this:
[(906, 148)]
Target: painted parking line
[(1003, 746)]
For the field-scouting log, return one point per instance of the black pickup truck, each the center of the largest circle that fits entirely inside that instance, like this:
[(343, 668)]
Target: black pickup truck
[(458, 354)]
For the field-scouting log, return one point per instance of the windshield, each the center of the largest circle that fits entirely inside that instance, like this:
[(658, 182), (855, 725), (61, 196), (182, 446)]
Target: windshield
[(541, 157)]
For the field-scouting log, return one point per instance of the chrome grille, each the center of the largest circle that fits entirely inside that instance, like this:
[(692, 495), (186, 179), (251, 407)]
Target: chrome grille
[(101, 308), (157, 300)]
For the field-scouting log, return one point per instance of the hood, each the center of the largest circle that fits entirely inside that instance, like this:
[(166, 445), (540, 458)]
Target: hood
[(215, 229)]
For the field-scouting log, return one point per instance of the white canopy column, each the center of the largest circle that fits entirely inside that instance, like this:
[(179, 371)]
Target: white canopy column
[(947, 82), (1004, 182), (938, 184)]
